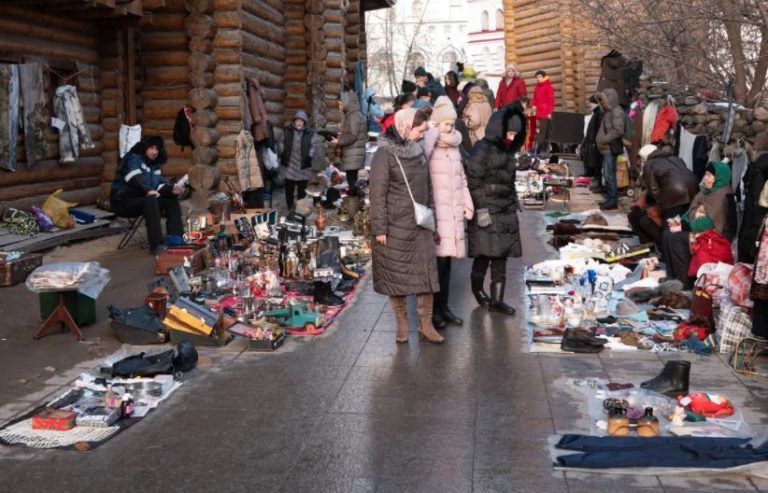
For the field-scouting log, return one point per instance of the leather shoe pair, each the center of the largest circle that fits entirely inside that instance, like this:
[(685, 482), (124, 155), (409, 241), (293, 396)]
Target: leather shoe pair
[(581, 341)]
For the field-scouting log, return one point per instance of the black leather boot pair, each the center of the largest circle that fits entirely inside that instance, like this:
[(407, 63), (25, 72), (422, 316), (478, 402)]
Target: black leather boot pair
[(581, 341), (323, 294), (496, 301), (672, 381), (442, 315)]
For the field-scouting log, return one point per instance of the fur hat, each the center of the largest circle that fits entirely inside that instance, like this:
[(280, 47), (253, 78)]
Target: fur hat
[(595, 219), (646, 151), (515, 124), (157, 141), (443, 110)]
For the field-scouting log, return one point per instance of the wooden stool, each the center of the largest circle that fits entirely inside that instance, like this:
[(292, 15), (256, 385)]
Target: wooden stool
[(60, 314)]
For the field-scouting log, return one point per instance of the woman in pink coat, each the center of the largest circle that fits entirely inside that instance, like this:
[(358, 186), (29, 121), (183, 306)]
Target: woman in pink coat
[(453, 204)]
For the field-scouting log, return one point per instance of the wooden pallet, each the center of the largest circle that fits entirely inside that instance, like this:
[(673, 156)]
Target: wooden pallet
[(43, 241)]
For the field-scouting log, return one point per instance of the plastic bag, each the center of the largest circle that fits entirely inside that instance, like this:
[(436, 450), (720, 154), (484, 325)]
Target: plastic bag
[(58, 210), (88, 278), (43, 220)]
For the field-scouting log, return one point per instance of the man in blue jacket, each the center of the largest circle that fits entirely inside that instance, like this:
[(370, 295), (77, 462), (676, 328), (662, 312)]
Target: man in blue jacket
[(140, 189)]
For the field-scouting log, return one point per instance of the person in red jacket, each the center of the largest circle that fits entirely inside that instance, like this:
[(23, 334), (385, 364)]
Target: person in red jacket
[(543, 104), (511, 88), (402, 101)]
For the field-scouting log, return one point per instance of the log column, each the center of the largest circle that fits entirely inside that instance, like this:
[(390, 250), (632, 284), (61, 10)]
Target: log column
[(201, 30)]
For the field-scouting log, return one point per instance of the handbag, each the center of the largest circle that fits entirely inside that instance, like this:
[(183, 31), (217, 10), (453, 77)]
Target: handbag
[(424, 216), (616, 147)]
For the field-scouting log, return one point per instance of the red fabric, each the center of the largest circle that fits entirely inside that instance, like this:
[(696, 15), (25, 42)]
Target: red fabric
[(684, 331), (665, 119), (509, 93), (710, 246), (701, 404), (544, 99), (530, 136), (387, 121)]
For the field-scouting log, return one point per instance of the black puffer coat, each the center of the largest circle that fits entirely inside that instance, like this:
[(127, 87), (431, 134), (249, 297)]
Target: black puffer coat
[(491, 181), (590, 154), (669, 181), (754, 181), (406, 264)]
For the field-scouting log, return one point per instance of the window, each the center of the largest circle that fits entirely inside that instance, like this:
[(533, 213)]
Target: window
[(499, 19), (500, 61), (487, 62), (431, 30), (484, 21), (461, 28), (447, 29), (448, 60)]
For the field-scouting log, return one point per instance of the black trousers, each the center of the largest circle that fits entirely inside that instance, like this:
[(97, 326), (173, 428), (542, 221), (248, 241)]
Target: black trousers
[(644, 226), (300, 186), (352, 178), (498, 267), (544, 131), (677, 255), (444, 278), (153, 208)]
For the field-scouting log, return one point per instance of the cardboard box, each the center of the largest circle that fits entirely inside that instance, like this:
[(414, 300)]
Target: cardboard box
[(54, 419)]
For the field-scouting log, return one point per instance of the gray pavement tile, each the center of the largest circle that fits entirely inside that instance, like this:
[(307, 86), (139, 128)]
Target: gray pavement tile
[(602, 480), (505, 452), (515, 478)]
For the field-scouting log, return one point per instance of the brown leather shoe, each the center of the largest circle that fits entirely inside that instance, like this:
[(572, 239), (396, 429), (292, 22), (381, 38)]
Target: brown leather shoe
[(400, 309), (426, 329)]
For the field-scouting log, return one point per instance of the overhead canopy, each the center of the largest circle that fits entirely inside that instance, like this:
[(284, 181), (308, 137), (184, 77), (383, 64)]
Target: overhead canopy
[(368, 5)]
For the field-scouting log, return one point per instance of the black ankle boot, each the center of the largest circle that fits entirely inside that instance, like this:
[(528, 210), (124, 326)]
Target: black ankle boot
[(477, 290), (323, 294), (437, 313), (497, 300), (450, 318), (673, 379)]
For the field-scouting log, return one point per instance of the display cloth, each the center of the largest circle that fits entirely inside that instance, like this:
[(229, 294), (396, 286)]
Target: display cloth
[(88, 392)]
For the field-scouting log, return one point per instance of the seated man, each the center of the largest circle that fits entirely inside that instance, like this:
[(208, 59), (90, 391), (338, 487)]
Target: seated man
[(139, 189)]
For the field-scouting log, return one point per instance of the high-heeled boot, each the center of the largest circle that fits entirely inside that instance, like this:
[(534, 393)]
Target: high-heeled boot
[(426, 329), (400, 309), (477, 289), (497, 300)]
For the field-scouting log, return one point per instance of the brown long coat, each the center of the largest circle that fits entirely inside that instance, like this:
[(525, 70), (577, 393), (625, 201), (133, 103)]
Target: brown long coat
[(255, 118), (406, 264)]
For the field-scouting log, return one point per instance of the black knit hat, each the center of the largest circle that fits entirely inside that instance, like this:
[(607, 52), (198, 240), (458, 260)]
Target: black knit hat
[(407, 86)]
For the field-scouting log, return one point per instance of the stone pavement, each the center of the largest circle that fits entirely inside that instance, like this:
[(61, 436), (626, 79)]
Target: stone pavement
[(350, 411)]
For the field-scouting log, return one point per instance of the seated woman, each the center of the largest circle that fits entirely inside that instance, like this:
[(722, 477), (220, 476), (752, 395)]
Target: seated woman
[(707, 216), (139, 189)]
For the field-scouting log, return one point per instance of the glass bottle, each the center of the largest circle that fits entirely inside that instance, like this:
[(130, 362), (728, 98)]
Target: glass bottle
[(648, 424)]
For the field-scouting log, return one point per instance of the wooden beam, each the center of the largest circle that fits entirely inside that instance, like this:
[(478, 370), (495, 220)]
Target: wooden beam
[(129, 43)]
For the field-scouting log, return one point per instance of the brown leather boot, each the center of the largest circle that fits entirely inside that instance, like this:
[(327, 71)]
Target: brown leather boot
[(400, 309), (426, 329)]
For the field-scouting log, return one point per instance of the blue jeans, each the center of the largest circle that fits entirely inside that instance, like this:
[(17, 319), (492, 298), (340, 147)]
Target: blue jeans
[(609, 177)]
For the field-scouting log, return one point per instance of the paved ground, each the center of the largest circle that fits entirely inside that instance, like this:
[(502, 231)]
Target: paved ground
[(349, 411)]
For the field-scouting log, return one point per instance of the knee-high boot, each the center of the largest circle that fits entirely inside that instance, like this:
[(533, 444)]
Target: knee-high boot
[(400, 309), (426, 329)]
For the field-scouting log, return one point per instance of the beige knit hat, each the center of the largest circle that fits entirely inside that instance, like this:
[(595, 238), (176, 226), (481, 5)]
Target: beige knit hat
[(443, 110)]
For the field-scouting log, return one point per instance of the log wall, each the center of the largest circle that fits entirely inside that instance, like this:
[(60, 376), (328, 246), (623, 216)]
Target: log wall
[(540, 35), (26, 35)]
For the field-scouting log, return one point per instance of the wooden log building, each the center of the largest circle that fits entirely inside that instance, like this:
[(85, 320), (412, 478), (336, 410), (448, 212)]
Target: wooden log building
[(543, 35), (141, 61)]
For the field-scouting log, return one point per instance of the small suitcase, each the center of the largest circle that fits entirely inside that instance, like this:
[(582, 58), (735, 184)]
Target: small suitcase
[(16, 271)]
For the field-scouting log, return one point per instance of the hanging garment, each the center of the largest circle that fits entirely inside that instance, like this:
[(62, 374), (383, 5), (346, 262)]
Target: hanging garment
[(129, 136), (705, 452), (686, 147), (665, 120), (182, 127), (700, 155), (752, 212), (35, 111), (9, 115), (248, 170), (649, 118), (255, 116), (70, 112)]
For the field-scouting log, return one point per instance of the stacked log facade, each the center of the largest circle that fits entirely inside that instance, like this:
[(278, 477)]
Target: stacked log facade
[(28, 36), (542, 35)]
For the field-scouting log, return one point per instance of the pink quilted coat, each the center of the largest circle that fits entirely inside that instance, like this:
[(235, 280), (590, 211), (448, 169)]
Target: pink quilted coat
[(453, 204)]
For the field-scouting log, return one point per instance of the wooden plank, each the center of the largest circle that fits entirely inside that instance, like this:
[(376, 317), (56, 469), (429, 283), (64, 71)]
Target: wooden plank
[(43, 241)]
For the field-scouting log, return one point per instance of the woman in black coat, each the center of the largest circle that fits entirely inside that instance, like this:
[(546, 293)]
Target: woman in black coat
[(754, 181), (494, 233)]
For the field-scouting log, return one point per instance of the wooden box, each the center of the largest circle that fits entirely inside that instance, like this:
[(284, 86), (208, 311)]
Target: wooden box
[(54, 419), (17, 270), (173, 256)]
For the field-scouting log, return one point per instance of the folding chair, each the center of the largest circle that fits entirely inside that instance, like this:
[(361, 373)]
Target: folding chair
[(130, 230)]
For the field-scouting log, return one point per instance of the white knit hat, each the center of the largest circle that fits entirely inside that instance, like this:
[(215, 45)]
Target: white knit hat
[(443, 110)]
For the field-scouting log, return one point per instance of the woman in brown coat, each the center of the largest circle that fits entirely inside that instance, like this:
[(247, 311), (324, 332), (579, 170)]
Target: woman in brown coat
[(403, 253)]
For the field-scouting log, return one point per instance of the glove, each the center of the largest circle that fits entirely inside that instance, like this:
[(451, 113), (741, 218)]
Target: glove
[(483, 218)]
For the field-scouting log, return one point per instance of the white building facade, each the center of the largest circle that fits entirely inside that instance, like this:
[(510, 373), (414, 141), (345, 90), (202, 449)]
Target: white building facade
[(435, 34)]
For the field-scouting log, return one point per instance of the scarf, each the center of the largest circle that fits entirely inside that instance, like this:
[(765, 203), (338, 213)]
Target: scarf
[(452, 139), (403, 120)]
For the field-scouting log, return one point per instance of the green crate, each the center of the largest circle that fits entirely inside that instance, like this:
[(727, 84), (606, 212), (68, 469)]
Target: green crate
[(81, 307)]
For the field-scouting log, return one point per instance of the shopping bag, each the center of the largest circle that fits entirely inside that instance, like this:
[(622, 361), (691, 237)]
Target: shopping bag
[(58, 210)]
